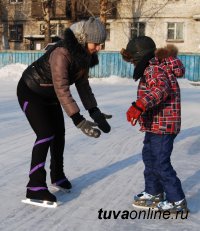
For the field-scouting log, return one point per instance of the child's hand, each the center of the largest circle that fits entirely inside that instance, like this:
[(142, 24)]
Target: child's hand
[(134, 112)]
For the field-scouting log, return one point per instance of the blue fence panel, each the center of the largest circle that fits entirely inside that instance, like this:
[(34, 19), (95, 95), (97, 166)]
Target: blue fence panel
[(110, 63), (192, 66), (24, 57)]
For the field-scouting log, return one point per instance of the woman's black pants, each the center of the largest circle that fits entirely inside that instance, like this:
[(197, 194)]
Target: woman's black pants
[(47, 122)]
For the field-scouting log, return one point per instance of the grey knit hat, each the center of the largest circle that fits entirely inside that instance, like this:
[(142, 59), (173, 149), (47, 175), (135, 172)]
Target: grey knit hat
[(91, 30)]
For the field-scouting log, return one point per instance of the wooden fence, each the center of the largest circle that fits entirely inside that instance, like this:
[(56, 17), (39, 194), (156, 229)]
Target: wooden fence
[(110, 63)]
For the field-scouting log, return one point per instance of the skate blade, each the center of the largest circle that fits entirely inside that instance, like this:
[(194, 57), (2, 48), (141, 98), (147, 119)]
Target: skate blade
[(58, 188), (144, 207), (45, 204)]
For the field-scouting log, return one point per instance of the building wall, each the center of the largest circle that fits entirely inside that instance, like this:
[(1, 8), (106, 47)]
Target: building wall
[(119, 34), (156, 14), (29, 14)]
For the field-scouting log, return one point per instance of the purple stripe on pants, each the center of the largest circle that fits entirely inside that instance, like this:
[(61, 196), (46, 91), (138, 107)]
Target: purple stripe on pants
[(25, 106), (37, 188), (60, 181), (36, 168), (43, 140)]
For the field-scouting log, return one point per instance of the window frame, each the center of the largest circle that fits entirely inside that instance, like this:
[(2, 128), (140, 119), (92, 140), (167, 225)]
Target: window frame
[(107, 32), (15, 1), (54, 28), (175, 31), (19, 34), (137, 27)]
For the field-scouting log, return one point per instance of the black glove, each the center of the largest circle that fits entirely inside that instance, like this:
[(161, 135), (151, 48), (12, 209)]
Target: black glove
[(87, 128), (100, 119)]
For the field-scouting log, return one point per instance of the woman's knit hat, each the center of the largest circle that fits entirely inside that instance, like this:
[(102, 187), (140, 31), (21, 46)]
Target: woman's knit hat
[(92, 31)]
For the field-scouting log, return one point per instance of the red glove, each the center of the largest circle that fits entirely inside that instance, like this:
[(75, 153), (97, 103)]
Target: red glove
[(134, 112)]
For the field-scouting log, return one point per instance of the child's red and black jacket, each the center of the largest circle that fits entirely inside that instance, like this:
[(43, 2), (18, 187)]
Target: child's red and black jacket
[(159, 91)]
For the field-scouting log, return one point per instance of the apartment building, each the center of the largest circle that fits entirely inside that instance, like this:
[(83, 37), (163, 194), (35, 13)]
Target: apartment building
[(166, 21)]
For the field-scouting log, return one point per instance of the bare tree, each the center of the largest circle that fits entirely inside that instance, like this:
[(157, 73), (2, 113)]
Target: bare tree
[(80, 9), (103, 11), (73, 10), (47, 6), (1, 26), (4, 44)]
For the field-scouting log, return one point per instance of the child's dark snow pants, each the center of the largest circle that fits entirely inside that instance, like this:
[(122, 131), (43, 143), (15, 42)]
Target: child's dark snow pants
[(159, 174)]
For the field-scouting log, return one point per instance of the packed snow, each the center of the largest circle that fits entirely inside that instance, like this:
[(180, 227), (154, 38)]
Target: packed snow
[(105, 172)]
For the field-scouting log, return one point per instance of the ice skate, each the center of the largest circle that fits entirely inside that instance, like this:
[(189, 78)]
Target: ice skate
[(42, 198), (173, 207), (144, 200), (63, 185)]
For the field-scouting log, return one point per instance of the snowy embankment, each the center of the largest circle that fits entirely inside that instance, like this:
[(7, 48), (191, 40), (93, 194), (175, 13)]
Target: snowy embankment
[(105, 172)]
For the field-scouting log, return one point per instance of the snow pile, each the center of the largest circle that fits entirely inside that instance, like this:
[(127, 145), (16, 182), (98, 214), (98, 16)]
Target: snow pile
[(12, 72)]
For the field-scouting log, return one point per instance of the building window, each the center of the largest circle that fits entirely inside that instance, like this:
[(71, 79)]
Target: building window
[(137, 29), (16, 33), (16, 1), (42, 28), (107, 31), (55, 29), (175, 31)]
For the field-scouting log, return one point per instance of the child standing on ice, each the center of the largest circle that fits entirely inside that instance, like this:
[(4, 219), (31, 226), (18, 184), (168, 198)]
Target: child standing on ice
[(158, 111)]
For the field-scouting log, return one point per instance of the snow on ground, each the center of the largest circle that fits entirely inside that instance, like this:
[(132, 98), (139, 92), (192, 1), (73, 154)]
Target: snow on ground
[(105, 172)]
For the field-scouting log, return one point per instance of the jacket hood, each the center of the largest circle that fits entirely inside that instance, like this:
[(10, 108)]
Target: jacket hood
[(165, 52), (167, 57)]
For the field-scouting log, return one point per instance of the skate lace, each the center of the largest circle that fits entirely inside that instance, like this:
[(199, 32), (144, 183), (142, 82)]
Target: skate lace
[(166, 204), (144, 195)]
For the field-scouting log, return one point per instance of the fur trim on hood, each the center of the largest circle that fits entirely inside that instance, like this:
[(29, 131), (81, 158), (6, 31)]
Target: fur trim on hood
[(167, 59), (167, 51)]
